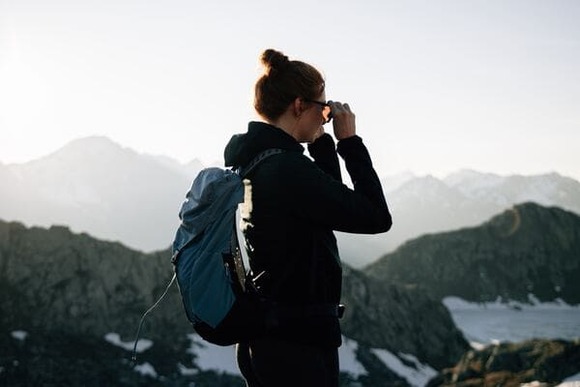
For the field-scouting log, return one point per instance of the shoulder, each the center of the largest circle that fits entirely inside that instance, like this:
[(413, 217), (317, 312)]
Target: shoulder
[(291, 163), (283, 168)]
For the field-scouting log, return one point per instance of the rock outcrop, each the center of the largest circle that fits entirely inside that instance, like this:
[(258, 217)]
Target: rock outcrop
[(402, 320), (513, 364)]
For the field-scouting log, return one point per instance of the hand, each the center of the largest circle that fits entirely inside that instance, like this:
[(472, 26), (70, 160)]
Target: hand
[(343, 120)]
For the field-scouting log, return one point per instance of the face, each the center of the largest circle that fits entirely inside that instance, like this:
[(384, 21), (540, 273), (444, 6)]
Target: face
[(315, 115)]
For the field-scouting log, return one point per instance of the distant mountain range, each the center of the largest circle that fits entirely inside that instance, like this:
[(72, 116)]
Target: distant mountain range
[(95, 185), (423, 205)]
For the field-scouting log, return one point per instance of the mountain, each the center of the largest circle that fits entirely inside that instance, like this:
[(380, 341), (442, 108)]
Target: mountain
[(526, 250), (422, 205), (97, 186), (66, 298)]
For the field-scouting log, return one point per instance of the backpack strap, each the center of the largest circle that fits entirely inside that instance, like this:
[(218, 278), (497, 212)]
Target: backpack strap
[(257, 160), (241, 259)]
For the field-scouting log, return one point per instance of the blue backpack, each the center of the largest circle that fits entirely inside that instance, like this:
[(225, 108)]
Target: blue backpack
[(218, 295)]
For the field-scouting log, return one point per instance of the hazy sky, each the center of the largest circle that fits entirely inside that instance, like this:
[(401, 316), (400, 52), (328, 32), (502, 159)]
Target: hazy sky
[(437, 86)]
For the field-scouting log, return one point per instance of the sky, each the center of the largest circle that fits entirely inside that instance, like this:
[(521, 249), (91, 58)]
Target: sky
[(436, 86)]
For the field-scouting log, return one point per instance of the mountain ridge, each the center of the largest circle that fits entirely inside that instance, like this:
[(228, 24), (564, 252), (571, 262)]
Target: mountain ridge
[(529, 249), (116, 188), (426, 204), (95, 185)]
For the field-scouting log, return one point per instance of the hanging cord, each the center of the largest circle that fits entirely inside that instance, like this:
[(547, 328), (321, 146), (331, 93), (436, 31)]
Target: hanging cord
[(134, 356)]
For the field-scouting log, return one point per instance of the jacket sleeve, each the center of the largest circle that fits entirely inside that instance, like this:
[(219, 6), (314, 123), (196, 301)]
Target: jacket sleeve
[(360, 168), (324, 154), (326, 201)]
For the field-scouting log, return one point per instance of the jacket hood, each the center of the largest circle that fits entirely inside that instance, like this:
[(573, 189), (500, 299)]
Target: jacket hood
[(243, 147)]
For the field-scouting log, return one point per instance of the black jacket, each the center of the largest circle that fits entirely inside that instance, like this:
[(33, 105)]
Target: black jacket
[(292, 210)]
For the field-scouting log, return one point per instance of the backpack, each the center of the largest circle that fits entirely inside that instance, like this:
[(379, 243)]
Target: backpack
[(218, 294)]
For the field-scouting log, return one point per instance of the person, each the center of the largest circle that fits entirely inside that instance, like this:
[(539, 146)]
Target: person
[(293, 204)]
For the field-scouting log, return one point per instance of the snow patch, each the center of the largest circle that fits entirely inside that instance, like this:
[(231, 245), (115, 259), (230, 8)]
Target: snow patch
[(115, 339), (347, 358), (456, 303), (185, 371), (500, 321), (223, 359), (571, 381), (477, 346), (146, 369), (418, 374), (19, 335)]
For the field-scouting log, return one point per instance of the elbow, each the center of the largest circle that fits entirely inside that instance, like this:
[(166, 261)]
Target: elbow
[(387, 222), (383, 224)]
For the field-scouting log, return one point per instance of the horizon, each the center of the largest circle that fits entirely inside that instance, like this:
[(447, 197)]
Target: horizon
[(436, 86), (205, 163)]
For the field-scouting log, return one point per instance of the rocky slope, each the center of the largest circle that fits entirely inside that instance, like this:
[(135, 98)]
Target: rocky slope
[(514, 364), (67, 291), (54, 279), (528, 249), (402, 320)]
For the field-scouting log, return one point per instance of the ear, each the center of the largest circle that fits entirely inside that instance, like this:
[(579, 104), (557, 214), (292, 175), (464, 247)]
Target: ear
[(298, 106)]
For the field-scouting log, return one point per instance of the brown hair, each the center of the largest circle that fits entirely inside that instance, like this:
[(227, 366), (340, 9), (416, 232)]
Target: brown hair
[(282, 82)]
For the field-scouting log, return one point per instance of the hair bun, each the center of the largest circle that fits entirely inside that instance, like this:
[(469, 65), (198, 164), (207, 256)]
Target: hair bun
[(274, 60)]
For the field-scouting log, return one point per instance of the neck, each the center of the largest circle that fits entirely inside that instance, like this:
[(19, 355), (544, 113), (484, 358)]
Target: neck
[(287, 124)]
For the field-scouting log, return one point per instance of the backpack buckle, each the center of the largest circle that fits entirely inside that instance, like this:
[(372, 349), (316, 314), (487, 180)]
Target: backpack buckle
[(340, 308)]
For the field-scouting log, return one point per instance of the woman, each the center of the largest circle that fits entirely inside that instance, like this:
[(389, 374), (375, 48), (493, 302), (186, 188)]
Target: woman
[(292, 206)]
